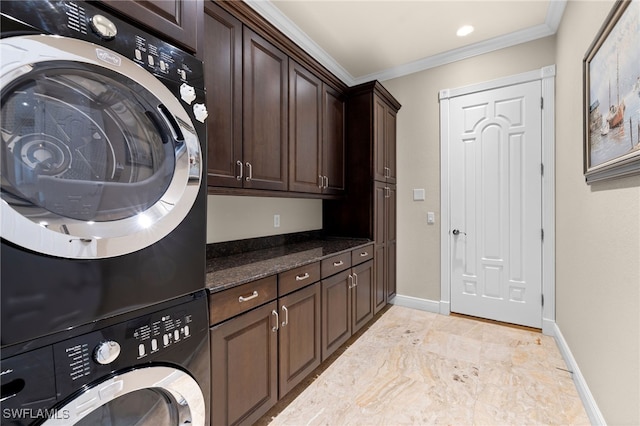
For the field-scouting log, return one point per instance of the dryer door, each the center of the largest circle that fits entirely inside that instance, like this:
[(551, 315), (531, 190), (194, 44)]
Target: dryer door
[(155, 395), (98, 157)]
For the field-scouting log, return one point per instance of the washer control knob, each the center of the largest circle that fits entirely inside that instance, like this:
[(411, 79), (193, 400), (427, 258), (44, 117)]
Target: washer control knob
[(103, 27), (106, 352)]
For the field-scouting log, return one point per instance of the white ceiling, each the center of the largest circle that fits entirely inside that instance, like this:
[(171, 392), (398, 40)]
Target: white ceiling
[(363, 40)]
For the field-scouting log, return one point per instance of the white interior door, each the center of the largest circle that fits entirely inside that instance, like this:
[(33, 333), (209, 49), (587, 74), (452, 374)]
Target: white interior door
[(495, 204)]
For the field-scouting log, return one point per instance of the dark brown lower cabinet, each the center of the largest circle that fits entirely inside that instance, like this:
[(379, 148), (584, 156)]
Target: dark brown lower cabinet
[(347, 305), (259, 356), (244, 366), (299, 345)]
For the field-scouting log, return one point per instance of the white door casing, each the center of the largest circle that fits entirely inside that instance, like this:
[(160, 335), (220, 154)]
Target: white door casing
[(495, 137)]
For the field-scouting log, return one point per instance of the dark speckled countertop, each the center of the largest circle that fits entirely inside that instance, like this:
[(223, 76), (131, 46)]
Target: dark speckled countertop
[(229, 271)]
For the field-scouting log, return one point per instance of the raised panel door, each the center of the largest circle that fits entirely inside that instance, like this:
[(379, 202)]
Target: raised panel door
[(380, 271), (222, 54), (244, 354), (390, 144), (379, 138), (391, 269), (333, 148), (336, 312), (305, 130), (299, 345), (362, 295), (265, 113)]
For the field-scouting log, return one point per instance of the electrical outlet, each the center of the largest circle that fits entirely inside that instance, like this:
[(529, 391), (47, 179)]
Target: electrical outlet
[(276, 221)]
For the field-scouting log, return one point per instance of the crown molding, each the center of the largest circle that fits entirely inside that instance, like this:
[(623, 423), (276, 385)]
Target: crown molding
[(272, 14)]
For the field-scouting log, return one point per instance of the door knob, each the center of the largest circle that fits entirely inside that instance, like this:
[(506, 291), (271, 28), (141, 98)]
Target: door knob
[(458, 232)]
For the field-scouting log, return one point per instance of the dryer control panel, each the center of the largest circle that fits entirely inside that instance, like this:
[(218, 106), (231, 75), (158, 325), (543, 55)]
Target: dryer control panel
[(85, 21)]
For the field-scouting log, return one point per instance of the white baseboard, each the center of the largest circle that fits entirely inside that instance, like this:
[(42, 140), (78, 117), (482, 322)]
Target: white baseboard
[(416, 303), (590, 406)]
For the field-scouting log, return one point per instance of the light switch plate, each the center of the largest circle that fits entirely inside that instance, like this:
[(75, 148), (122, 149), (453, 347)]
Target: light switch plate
[(431, 218), (418, 195)]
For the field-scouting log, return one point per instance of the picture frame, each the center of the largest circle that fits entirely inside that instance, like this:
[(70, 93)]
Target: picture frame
[(611, 96)]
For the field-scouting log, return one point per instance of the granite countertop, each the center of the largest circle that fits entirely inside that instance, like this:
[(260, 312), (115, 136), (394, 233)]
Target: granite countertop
[(230, 271)]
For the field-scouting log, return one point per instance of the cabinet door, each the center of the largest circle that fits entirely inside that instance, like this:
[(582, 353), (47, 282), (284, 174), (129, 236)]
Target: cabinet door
[(299, 346), (362, 295), (390, 144), (305, 130), (178, 20), (244, 367), (379, 136), (379, 213), (222, 53), (336, 312), (391, 270), (333, 149), (380, 272), (265, 113)]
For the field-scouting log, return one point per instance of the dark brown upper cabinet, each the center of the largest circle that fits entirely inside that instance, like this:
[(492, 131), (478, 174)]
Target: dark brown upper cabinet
[(305, 130), (316, 134), (177, 20), (384, 138), (223, 80), (333, 149), (246, 79), (265, 114)]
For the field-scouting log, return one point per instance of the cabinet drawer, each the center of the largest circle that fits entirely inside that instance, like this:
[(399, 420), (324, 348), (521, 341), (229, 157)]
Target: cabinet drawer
[(362, 254), (228, 303), (335, 264), (297, 278)]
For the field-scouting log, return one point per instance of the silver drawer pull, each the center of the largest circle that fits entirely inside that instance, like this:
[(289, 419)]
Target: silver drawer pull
[(338, 263), (302, 277), (364, 253), (277, 326), (244, 299)]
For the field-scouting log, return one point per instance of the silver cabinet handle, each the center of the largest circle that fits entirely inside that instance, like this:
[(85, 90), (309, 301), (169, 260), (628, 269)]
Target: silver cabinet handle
[(326, 181), (338, 263), (387, 192), (302, 277), (387, 172), (250, 174), (321, 180), (351, 282), (244, 299), (275, 328), (286, 316), (239, 163), (364, 254), (355, 279)]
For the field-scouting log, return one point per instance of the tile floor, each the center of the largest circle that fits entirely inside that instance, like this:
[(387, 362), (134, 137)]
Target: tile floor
[(418, 368)]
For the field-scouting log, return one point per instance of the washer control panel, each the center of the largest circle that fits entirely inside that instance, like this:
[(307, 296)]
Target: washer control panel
[(169, 335)]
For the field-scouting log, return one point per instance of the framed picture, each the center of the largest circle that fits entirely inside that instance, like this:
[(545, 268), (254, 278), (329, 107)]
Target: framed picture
[(611, 70)]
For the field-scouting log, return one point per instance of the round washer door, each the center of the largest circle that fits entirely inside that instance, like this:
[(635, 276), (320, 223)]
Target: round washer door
[(155, 395), (98, 157)]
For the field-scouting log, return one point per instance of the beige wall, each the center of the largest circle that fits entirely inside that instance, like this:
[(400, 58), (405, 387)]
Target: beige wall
[(419, 153), (597, 242), (234, 218)]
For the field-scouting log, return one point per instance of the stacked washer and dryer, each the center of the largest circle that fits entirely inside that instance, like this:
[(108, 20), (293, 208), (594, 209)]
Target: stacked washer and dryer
[(103, 221)]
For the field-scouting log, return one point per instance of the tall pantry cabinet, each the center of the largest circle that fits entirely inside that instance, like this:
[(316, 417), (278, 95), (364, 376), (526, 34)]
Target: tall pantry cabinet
[(369, 210)]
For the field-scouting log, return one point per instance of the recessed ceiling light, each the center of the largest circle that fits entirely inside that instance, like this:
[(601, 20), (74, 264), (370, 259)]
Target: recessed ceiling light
[(464, 30)]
